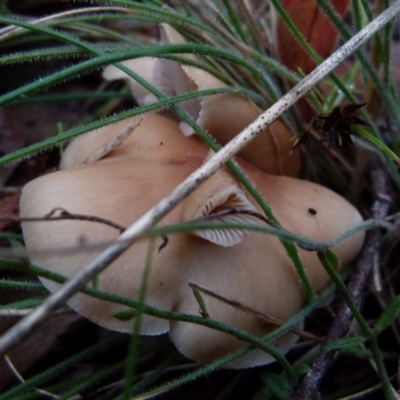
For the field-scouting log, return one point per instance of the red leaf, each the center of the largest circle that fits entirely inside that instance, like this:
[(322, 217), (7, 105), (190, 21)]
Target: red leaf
[(314, 26)]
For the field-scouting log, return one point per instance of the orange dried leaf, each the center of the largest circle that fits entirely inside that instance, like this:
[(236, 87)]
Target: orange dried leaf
[(314, 26), (318, 31)]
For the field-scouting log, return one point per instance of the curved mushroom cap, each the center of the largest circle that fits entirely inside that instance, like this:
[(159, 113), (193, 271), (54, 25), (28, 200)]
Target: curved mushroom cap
[(257, 272), (120, 187), (251, 268), (144, 68), (223, 116)]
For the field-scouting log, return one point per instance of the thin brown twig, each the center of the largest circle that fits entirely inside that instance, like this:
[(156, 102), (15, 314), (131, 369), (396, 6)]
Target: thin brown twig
[(309, 388), (248, 310), (64, 215)]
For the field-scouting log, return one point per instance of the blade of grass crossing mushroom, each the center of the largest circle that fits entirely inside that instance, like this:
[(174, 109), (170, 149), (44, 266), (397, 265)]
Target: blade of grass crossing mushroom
[(255, 342), (203, 371), (200, 301), (243, 307), (133, 353), (226, 360), (25, 326), (284, 235), (72, 133), (272, 65)]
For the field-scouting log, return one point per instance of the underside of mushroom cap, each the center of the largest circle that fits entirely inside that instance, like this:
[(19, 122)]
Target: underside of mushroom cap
[(218, 199)]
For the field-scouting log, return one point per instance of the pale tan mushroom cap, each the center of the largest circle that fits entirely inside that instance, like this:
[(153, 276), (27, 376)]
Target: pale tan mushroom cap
[(258, 272), (121, 187), (223, 116), (144, 68), (253, 270)]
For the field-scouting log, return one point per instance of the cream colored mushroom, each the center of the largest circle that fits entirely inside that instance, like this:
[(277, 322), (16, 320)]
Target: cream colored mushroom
[(250, 267), (122, 186), (144, 67), (223, 116)]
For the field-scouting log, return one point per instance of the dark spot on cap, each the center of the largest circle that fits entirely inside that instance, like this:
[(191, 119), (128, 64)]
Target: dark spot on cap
[(312, 211)]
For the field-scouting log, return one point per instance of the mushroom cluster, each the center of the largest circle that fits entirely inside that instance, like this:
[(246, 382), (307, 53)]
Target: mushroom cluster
[(250, 267)]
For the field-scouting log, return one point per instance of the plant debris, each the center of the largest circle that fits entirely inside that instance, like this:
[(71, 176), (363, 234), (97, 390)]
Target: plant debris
[(335, 127)]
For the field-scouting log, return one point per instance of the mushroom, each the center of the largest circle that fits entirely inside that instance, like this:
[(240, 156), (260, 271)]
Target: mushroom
[(144, 67), (250, 267), (222, 115)]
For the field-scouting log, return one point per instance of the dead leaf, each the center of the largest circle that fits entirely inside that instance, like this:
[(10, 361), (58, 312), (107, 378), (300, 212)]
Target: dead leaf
[(316, 28)]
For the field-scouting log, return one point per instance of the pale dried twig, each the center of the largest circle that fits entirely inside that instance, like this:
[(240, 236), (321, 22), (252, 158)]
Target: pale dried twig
[(22, 380), (113, 143), (9, 30)]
